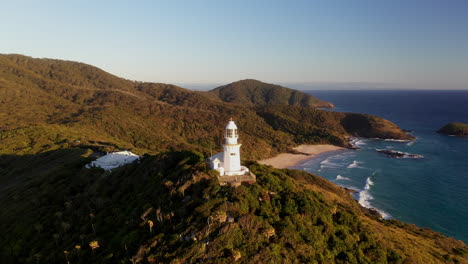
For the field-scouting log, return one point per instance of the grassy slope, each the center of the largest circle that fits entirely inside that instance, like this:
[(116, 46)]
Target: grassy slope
[(48, 104), (71, 108), (287, 216)]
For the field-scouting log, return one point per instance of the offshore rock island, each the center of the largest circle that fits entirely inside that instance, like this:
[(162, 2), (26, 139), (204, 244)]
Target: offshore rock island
[(169, 207), (455, 129)]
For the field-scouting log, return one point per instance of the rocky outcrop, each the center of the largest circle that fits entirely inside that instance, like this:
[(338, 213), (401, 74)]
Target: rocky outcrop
[(399, 154)]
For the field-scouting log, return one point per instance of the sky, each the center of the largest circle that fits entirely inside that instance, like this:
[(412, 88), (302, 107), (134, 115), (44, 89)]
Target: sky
[(375, 44)]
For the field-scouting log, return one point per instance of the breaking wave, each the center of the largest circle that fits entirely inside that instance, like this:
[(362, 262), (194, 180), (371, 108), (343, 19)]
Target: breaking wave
[(355, 164), (357, 142), (339, 177), (365, 197), (335, 161), (329, 163), (398, 140)]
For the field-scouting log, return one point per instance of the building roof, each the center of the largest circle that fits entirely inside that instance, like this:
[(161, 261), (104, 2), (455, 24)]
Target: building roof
[(114, 160), (219, 156)]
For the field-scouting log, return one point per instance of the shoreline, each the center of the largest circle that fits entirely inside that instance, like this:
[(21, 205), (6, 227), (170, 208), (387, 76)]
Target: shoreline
[(304, 152), (308, 152)]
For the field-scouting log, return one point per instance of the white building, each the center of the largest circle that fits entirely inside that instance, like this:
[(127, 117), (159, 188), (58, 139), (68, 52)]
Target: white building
[(113, 160), (228, 161)]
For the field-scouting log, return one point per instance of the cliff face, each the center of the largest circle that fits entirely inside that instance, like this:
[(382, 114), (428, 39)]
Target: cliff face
[(50, 104), (169, 209), (456, 129)]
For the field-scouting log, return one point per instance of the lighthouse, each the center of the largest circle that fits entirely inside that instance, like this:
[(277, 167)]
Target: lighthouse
[(231, 147), (227, 163)]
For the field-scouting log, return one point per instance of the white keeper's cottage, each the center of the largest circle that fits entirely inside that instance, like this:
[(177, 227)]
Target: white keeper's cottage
[(114, 160), (227, 163)]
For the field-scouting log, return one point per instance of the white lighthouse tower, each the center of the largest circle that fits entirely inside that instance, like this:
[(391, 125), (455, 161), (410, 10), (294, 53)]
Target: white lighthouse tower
[(228, 161), (231, 150)]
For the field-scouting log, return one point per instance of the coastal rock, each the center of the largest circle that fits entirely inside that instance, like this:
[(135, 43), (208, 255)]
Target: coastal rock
[(399, 154), (349, 190), (374, 213)]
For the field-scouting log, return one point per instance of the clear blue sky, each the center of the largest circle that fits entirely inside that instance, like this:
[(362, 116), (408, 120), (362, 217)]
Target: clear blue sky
[(385, 43)]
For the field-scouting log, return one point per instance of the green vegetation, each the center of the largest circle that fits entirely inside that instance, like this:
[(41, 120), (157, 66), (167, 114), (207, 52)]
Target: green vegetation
[(457, 129), (51, 104), (169, 209), (256, 93)]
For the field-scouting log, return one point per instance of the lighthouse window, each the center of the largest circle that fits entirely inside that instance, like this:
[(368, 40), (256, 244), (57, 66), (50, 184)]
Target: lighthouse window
[(233, 154), (230, 132)]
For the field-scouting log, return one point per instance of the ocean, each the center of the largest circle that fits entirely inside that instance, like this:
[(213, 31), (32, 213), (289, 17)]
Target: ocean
[(431, 191)]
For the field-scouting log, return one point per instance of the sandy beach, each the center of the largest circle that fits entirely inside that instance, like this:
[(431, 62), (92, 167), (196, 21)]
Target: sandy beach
[(286, 160)]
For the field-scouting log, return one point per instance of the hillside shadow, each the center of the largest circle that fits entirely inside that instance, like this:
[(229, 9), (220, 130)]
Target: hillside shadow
[(50, 202), (19, 169)]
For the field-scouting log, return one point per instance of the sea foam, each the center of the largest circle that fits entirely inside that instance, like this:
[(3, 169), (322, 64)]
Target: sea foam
[(355, 164), (365, 197), (328, 163), (339, 177), (397, 140), (357, 142)]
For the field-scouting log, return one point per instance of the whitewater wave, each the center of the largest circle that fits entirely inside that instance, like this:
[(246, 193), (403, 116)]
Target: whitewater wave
[(355, 164), (339, 177), (365, 197), (329, 163), (397, 140), (357, 142)]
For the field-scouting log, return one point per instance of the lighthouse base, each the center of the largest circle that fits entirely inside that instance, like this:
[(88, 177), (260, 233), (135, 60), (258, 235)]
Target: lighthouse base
[(242, 171), (246, 178)]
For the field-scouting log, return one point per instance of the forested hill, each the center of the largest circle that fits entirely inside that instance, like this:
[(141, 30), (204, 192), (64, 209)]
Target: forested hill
[(169, 208), (49, 104), (256, 93)]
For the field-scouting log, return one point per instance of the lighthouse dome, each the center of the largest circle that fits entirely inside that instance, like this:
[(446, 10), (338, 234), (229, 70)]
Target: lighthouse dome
[(231, 125)]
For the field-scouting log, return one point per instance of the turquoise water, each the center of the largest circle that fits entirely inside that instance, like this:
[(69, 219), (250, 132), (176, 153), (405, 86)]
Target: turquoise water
[(429, 192)]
